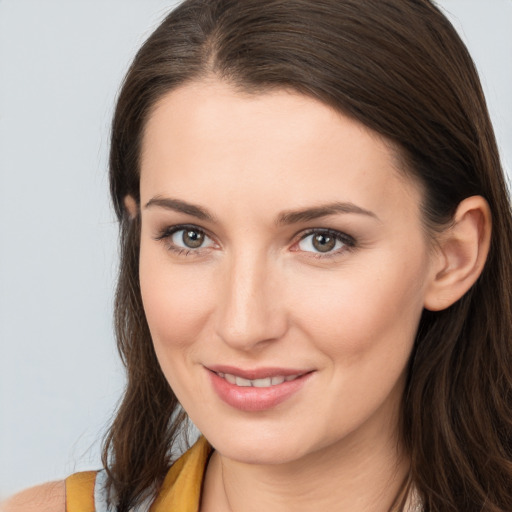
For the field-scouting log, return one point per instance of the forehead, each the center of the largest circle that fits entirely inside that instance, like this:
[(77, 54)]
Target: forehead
[(201, 108), (207, 135)]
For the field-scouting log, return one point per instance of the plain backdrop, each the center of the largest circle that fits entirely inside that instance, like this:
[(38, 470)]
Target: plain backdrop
[(61, 63)]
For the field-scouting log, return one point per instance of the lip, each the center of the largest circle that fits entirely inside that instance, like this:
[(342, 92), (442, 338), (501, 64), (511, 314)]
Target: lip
[(257, 373), (253, 399)]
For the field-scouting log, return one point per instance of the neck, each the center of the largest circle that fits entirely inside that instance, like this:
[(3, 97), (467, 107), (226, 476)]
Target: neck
[(361, 473)]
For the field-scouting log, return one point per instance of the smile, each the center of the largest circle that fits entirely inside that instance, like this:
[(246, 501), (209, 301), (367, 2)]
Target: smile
[(257, 390), (256, 383)]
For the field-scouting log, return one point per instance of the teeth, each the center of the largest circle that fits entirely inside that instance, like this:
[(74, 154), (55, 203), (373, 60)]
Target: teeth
[(242, 382), (230, 378), (257, 383), (262, 383)]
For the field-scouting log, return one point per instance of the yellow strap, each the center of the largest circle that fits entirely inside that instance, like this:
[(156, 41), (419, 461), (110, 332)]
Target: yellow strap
[(181, 489), (80, 492)]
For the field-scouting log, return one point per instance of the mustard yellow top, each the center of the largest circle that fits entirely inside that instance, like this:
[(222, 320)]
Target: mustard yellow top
[(181, 489)]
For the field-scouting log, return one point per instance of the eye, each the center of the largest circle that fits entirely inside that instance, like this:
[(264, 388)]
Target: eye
[(185, 239), (189, 238), (325, 241)]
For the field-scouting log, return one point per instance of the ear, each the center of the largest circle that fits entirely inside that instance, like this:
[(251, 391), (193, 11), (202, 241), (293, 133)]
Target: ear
[(461, 254), (131, 206)]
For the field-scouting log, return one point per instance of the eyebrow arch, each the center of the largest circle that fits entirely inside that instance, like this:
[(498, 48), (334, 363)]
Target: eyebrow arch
[(285, 218), (180, 206), (307, 214)]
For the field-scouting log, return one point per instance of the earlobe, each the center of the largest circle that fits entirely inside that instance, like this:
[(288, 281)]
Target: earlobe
[(461, 255), (131, 206)]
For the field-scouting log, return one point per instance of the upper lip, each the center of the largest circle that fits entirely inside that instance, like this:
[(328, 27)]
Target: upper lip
[(257, 373)]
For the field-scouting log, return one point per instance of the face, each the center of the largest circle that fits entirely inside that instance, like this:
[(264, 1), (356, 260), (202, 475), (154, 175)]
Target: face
[(283, 270)]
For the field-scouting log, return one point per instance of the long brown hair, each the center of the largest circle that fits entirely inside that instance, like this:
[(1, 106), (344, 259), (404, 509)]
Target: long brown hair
[(398, 67)]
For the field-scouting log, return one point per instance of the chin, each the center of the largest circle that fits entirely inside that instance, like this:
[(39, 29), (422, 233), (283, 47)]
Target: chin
[(271, 453), (262, 447)]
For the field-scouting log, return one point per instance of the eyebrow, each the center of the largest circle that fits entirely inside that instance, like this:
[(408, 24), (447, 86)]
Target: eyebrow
[(180, 206), (307, 214), (284, 218)]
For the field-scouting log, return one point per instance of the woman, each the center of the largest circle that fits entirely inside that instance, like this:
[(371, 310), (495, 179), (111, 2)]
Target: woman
[(306, 191)]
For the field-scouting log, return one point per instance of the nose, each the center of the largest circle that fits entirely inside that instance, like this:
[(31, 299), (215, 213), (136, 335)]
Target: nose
[(250, 311)]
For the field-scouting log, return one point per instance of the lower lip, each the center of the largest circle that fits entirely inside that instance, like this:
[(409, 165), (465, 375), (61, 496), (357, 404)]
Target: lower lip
[(248, 398)]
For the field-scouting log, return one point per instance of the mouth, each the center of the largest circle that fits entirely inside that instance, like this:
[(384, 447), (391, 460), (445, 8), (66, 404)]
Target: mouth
[(257, 390), (266, 382)]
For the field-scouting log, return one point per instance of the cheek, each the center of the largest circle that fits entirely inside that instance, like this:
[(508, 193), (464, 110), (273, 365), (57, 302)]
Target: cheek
[(346, 313), (361, 308), (176, 299)]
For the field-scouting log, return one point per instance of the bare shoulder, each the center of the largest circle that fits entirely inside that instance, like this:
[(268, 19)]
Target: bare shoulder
[(49, 497)]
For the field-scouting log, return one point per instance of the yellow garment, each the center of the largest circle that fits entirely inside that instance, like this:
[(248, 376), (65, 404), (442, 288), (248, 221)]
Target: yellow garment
[(80, 492), (181, 489)]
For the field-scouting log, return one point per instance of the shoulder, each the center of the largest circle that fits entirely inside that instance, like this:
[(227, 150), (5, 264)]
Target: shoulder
[(49, 497)]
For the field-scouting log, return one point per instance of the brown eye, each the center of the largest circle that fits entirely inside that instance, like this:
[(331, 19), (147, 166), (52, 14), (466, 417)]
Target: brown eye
[(192, 238), (323, 242), (189, 237)]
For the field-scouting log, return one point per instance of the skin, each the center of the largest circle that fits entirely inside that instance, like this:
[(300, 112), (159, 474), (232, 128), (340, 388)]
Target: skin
[(48, 497), (257, 293)]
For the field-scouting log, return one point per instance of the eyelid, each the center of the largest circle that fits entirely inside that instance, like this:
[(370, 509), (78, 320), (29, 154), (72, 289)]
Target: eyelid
[(165, 235), (349, 243), (170, 230)]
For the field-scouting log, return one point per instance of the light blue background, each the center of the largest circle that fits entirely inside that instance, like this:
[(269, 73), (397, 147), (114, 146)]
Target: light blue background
[(61, 63)]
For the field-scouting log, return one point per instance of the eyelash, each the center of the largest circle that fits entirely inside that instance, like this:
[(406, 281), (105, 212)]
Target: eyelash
[(166, 236), (349, 243)]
